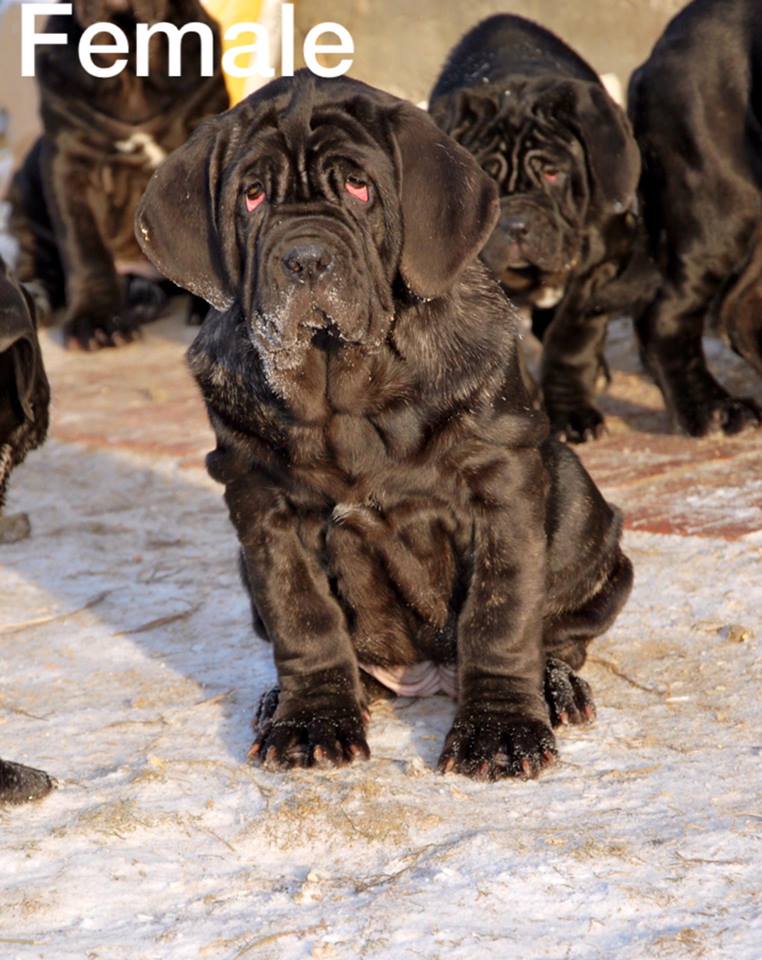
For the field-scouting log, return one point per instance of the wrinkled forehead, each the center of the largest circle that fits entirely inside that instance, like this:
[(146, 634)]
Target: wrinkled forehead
[(302, 134)]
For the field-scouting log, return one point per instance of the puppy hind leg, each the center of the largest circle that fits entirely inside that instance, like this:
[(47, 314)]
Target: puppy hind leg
[(670, 332), (566, 637)]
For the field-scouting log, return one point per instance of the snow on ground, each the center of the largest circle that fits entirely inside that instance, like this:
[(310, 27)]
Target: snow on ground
[(130, 672)]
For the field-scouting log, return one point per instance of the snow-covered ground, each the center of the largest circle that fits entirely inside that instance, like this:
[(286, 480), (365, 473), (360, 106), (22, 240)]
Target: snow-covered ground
[(130, 672)]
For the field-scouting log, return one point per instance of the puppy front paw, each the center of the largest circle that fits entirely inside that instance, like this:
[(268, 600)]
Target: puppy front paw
[(489, 745), (569, 697), (95, 330), (297, 735), (576, 424), (722, 414)]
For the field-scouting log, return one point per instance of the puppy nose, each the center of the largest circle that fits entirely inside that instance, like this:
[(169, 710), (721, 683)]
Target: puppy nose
[(515, 226), (306, 262)]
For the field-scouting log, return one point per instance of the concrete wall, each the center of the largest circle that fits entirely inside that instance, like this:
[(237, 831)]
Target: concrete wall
[(401, 44)]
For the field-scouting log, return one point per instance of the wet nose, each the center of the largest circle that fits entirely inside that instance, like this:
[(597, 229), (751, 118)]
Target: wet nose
[(306, 262), (515, 226)]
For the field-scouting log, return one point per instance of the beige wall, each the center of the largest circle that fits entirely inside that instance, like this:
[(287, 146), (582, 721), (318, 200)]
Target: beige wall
[(401, 44), (18, 96)]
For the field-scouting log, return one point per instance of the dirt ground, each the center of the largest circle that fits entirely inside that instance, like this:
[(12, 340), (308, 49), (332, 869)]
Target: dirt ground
[(130, 672)]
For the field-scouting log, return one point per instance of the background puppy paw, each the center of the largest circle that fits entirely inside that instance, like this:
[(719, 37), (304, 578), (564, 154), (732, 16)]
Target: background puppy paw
[(726, 414), (576, 424), (146, 300), (569, 697), (489, 745), (94, 332), (301, 736)]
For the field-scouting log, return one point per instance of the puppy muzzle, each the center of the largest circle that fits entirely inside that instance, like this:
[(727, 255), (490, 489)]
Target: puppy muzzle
[(528, 237)]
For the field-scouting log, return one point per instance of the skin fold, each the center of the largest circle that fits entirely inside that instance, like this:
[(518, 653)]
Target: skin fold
[(394, 492)]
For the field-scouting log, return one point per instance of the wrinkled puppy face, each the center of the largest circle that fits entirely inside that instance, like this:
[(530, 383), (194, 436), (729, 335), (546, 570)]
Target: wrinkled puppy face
[(307, 206), (89, 12), (563, 157), (318, 228)]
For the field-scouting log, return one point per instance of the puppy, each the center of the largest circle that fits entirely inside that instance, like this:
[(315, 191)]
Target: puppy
[(404, 523), (24, 400), (697, 116), (74, 199), (24, 392), (539, 121)]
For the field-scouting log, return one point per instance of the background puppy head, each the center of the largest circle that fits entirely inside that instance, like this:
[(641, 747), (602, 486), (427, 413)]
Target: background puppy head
[(24, 393), (89, 12), (564, 159), (308, 205)]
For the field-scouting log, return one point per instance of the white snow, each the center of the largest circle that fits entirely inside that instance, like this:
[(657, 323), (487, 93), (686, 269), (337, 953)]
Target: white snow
[(644, 842)]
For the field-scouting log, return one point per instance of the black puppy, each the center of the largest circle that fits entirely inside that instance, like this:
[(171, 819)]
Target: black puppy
[(24, 392), (401, 515), (539, 121), (697, 114), (24, 400), (74, 199)]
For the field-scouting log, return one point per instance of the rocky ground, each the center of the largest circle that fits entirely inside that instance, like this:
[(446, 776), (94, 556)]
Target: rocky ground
[(129, 672)]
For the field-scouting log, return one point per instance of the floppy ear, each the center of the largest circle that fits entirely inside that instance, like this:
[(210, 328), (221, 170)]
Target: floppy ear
[(612, 152), (176, 220), (449, 205), (18, 356), (463, 114)]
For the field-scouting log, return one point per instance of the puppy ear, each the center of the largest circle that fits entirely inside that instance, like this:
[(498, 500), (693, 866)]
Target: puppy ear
[(463, 114), (176, 220), (18, 354), (449, 205), (612, 152)]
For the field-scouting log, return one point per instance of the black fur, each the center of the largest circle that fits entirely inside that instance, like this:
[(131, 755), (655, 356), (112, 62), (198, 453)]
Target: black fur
[(696, 108), (74, 198), (24, 401), (392, 487), (539, 121)]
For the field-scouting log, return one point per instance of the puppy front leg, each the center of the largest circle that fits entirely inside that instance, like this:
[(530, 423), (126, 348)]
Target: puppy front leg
[(572, 364), (94, 296), (502, 726), (316, 714)]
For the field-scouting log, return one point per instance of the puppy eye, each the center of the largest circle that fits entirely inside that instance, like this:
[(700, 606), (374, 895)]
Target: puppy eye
[(551, 175), (357, 188), (255, 196)]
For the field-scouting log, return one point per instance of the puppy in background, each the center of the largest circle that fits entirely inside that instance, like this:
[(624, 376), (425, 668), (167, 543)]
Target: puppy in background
[(697, 114), (24, 392), (74, 198), (405, 524), (539, 121), (24, 400)]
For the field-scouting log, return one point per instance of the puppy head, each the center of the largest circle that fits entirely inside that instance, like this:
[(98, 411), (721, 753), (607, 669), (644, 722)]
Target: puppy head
[(564, 158), (88, 12), (20, 364), (307, 204)]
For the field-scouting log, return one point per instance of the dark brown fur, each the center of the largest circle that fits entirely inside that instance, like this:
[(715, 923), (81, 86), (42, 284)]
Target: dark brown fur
[(24, 401), (74, 198), (392, 488)]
